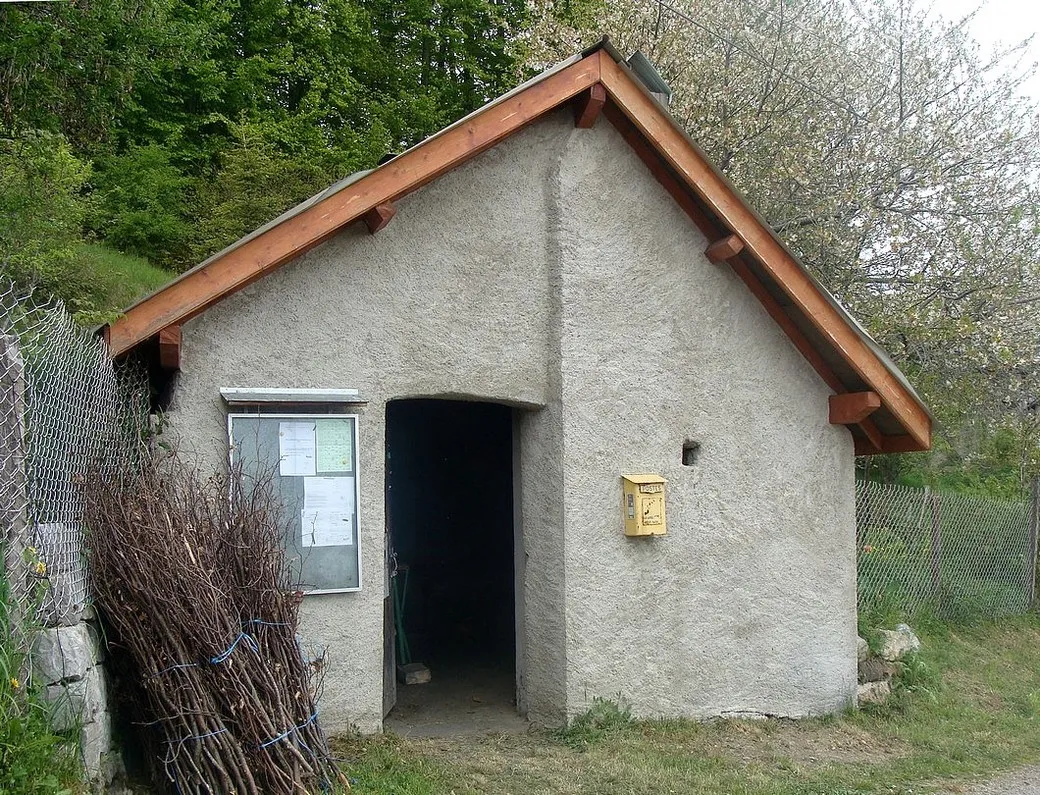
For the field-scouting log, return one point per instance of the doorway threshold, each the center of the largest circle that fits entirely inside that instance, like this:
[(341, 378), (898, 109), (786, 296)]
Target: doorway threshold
[(459, 700)]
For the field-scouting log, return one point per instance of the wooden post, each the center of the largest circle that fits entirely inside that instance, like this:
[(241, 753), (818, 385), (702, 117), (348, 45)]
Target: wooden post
[(1030, 573), (936, 510)]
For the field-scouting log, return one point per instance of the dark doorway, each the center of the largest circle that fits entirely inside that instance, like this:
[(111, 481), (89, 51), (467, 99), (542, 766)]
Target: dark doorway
[(449, 500)]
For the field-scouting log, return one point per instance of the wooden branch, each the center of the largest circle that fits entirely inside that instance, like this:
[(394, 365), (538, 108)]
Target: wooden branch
[(721, 198), (378, 217), (725, 249), (203, 286), (170, 348), (850, 408), (587, 106)]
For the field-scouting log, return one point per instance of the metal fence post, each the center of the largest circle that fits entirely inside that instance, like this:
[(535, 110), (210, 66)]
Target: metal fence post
[(1030, 573), (936, 547)]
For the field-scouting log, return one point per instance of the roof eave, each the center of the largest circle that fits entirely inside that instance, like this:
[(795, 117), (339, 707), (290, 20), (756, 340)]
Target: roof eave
[(713, 202)]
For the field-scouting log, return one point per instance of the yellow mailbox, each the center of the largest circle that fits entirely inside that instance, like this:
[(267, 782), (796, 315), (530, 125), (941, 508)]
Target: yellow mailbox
[(643, 507)]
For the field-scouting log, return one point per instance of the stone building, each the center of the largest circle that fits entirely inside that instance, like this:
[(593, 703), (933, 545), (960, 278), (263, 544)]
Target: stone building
[(553, 293)]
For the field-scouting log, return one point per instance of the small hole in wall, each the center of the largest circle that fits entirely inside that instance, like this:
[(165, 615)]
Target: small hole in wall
[(690, 451)]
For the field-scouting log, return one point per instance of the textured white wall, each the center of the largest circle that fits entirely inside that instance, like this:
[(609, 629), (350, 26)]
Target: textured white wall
[(554, 272), (749, 602)]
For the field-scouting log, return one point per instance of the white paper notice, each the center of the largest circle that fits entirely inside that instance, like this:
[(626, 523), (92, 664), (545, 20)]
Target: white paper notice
[(295, 448), (328, 495), (327, 528), (328, 511)]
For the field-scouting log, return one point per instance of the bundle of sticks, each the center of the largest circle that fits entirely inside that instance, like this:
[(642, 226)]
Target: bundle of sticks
[(189, 575)]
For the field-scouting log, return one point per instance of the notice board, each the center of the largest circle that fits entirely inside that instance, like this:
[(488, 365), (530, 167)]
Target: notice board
[(311, 462)]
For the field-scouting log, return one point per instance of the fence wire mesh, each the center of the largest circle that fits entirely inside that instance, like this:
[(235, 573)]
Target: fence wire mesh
[(954, 554), (64, 410)]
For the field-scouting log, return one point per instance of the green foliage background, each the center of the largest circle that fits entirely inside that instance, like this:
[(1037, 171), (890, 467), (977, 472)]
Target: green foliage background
[(167, 129)]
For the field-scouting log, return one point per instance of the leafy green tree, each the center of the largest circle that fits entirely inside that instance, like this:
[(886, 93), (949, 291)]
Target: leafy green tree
[(41, 213), (255, 182), (141, 205), (157, 93)]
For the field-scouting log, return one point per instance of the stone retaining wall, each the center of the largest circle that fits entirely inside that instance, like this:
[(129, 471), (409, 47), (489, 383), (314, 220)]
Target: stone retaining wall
[(70, 661)]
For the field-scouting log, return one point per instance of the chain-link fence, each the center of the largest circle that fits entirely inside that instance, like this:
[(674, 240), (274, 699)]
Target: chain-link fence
[(64, 410), (956, 555)]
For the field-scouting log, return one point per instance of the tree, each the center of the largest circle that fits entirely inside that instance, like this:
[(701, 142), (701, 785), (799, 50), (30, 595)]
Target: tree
[(161, 96), (889, 155), (41, 211)]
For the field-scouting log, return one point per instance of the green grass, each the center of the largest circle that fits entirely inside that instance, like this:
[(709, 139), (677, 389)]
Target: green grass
[(119, 279), (972, 708), (34, 760)]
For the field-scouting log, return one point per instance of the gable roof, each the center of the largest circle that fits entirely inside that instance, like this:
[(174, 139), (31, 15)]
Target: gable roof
[(872, 398)]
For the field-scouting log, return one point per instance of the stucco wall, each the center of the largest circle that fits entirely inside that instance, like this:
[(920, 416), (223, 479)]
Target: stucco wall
[(553, 272), (452, 298), (749, 602)]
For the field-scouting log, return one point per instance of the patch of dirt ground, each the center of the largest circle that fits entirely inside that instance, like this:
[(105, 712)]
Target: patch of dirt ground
[(1021, 782)]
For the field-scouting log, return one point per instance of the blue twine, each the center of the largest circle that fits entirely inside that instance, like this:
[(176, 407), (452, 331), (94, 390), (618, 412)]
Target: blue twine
[(285, 734), (224, 655)]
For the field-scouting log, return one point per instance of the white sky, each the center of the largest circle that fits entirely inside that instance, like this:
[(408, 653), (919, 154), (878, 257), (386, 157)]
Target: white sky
[(1001, 22)]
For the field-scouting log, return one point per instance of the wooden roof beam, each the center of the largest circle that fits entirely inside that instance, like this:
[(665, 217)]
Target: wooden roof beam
[(725, 203), (170, 348), (725, 249), (850, 408), (207, 284), (588, 105), (378, 217)]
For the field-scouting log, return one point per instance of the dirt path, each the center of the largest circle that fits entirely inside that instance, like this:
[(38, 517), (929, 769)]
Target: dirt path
[(1022, 782)]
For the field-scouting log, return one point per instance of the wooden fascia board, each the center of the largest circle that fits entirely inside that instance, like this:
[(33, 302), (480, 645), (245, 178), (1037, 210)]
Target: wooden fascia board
[(902, 444), (690, 165), (204, 286)]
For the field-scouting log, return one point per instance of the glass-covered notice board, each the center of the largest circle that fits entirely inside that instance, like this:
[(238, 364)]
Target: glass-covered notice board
[(311, 461)]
